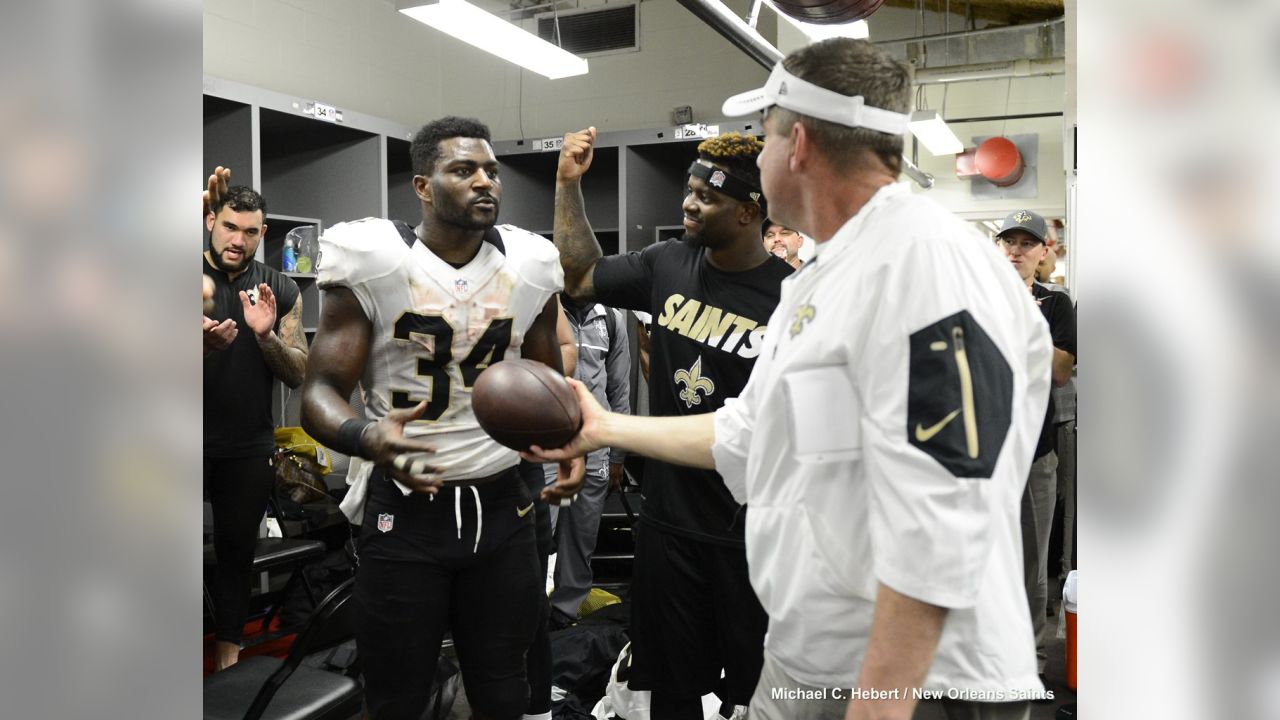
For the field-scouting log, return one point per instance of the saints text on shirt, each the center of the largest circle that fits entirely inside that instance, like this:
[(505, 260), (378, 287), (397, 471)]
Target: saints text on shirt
[(712, 326)]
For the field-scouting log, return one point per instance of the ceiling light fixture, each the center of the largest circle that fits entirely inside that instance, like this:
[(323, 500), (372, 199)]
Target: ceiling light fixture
[(494, 35), (931, 130)]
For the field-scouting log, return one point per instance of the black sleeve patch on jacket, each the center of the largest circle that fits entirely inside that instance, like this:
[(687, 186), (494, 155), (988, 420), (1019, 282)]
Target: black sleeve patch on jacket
[(959, 396)]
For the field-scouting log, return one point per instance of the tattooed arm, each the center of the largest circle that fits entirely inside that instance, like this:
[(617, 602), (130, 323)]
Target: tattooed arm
[(579, 249), (286, 353)]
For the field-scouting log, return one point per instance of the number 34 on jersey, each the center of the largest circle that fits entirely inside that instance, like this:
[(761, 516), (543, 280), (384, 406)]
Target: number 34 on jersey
[(435, 366)]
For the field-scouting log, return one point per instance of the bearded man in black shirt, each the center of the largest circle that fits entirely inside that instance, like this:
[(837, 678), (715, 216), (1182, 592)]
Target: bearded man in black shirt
[(252, 336)]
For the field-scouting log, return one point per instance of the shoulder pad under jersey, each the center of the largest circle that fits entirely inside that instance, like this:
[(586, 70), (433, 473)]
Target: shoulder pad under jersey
[(358, 251), (534, 257)]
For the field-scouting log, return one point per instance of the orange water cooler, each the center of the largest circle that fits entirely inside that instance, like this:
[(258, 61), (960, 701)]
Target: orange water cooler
[(1069, 612)]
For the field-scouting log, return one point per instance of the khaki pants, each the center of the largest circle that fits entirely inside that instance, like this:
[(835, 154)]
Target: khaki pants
[(805, 702)]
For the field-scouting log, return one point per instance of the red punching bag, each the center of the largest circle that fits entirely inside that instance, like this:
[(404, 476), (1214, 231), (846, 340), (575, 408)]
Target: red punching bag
[(998, 160)]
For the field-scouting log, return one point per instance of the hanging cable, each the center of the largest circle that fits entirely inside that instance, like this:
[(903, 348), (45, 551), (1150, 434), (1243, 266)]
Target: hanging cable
[(946, 30)]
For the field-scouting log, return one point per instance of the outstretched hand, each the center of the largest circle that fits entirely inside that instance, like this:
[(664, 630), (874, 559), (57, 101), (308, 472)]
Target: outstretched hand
[(218, 335), (259, 315), (569, 478), (576, 154), (588, 437), (216, 189), (404, 458)]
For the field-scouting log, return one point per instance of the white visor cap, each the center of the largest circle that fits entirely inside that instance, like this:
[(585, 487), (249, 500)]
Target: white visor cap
[(804, 97)]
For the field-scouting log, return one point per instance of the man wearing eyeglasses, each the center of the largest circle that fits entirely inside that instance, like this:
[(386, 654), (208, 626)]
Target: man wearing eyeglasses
[(1022, 237)]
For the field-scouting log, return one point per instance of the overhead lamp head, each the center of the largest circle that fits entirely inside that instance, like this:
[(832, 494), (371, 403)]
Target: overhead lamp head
[(932, 131)]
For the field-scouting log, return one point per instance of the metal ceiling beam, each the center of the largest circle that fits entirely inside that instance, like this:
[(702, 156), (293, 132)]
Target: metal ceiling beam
[(922, 178), (735, 30), (990, 71), (974, 33)]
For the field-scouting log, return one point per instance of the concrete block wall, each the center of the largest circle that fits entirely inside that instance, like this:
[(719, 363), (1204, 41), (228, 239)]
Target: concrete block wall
[(363, 55)]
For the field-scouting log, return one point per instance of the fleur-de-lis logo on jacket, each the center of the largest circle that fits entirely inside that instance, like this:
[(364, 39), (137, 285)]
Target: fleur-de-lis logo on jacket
[(693, 382), (804, 314)]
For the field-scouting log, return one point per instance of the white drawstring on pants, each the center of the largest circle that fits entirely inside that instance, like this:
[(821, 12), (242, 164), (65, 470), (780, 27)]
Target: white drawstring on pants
[(457, 514)]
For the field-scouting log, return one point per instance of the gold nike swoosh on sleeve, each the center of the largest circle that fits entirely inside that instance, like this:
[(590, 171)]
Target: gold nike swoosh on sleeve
[(966, 392), (924, 434), (525, 511)]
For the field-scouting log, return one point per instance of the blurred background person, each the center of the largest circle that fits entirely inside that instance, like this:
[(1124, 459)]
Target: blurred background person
[(1022, 237), (783, 242), (604, 366), (538, 660)]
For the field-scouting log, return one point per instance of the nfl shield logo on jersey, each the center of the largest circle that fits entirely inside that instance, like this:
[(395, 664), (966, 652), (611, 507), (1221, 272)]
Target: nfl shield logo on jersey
[(460, 286), (385, 521)]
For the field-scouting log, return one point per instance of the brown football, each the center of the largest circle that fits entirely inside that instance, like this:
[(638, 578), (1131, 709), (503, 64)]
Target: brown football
[(522, 402), (828, 12)]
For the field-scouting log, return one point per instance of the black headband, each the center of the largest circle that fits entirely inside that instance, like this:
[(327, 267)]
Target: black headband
[(733, 186)]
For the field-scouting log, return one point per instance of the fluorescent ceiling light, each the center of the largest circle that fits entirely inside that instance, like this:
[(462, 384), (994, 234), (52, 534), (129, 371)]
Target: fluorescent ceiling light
[(857, 29), (492, 34), (929, 127)]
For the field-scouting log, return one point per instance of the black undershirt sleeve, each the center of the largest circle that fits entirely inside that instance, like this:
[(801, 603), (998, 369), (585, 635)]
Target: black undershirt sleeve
[(626, 281), (1063, 325)]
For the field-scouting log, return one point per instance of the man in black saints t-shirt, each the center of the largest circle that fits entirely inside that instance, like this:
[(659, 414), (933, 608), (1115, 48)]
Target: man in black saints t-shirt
[(252, 334), (710, 294), (1022, 237)]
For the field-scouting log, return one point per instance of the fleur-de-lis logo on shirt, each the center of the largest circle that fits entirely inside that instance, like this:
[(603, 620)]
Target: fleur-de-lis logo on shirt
[(693, 381), (804, 314)]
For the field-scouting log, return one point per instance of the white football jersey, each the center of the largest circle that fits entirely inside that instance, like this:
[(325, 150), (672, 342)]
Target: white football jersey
[(436, 327)]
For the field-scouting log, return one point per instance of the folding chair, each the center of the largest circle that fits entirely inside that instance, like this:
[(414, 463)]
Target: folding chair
[(267, 688)]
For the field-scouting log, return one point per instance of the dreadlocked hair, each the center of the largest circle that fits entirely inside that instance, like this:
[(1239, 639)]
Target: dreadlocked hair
[(736, 152)]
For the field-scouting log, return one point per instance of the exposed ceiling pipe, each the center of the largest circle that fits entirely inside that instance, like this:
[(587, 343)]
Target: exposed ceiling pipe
[(990, 71), (922, 178), (974, 33), (735, 30)]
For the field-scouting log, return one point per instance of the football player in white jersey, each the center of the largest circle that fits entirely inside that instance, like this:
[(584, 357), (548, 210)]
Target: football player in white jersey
[(415, 315)]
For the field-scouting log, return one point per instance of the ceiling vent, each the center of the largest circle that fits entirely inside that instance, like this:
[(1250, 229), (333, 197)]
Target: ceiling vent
[(589, 32)]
